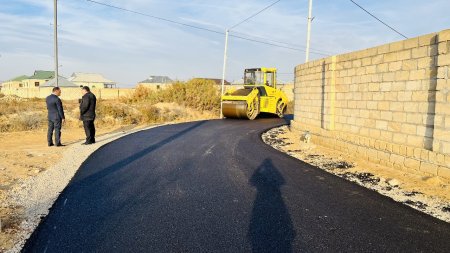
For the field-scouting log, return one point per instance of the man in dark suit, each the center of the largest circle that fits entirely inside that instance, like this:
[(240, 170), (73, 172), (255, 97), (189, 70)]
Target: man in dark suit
[(87, 114), (55, 117)]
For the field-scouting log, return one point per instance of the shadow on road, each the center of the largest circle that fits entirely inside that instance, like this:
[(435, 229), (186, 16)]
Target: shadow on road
[(124, 162), (271, 228)]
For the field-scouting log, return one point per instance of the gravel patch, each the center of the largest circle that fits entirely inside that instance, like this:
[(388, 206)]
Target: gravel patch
[(390, 187), (36, 195)]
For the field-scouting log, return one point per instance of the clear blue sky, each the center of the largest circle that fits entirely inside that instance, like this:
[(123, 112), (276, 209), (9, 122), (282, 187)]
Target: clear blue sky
[(128, 48)]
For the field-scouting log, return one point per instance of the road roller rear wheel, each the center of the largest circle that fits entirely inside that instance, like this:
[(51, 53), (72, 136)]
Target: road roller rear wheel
[(253, 109), (280, 109)]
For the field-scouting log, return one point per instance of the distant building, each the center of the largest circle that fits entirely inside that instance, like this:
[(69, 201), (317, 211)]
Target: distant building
[(155, 82), (62, 82), (16, 82), (38, 78), (217, 81), (92, 80), (238, 82)]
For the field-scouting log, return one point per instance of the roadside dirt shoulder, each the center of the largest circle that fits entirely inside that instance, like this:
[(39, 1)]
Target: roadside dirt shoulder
[(425, 193)]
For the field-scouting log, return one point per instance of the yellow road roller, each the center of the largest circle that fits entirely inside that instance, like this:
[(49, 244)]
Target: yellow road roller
[(259, 95)]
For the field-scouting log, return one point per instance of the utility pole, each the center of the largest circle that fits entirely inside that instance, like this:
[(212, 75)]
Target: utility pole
[(55, 29), (308, 35), (224, 70)]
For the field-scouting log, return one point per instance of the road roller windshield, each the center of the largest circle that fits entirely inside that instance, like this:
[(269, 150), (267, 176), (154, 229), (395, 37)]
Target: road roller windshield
[(253, 77)]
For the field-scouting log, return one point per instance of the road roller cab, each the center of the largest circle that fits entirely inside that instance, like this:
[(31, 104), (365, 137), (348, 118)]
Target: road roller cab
[(259, 95)]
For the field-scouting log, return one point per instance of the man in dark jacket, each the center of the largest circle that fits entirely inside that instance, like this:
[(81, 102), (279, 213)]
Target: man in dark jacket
[(87, 114), (55, 117)]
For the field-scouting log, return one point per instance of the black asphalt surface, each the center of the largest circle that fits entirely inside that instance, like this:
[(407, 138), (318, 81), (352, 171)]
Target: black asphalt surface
[(214, 186)]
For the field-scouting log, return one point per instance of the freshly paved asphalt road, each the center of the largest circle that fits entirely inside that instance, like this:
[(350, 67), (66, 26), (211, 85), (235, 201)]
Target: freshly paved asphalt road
[(214, 186)]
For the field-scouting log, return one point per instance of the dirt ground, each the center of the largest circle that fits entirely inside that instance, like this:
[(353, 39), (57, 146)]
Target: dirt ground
[(429, 194)]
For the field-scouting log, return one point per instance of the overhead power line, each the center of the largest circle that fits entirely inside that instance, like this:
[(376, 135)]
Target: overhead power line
[(257, 13), (319, 51), (155, 17), (272, 44), (199, 27), (390, 27)]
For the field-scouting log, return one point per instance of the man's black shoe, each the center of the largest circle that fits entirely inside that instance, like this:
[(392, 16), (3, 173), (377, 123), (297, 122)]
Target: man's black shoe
[(51, 144), (87, 143), (60, 145)]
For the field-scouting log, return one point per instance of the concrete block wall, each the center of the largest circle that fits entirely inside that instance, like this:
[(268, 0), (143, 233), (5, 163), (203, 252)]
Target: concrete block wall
[(389, 104)]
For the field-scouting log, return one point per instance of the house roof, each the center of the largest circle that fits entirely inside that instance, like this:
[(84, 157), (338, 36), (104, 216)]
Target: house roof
[(62, 82), (42, 74), (19, 78), (157, 79), (89, 78)]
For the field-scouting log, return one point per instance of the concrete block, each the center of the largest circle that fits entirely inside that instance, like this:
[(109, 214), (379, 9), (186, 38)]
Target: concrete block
[(410, 43), (444, 36), (444, 47), (443, 60), (383, 67), (409, 65), (396, 148), (409, 129), (397, 159), (395, 66), (404, 96), (404, 55), (399, 138), (391, 57), (442, 108), (402, 76), (381, 124), (444, 172), (409, 151), (419, 74), (383, 156), (396, 106), (417, 153), (429, 168), (420, 52), (426, 62), (426, 40), (384, 105), (415, 141), (445, 148), (443, 73), (413, 85), (383, 49), (412, 107), (386, 136), (412, 163), (396, 46), (374, 133), (366, 61), (356, 63), (424, 155), (386, 115), (398, 86)]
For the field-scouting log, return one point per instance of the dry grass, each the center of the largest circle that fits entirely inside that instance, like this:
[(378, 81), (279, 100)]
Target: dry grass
[(198, 94), (141, 107)]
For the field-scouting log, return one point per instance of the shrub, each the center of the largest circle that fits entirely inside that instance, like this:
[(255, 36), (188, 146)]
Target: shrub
[(122, 113), (199, 94), (150, 114), (23, 122)]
